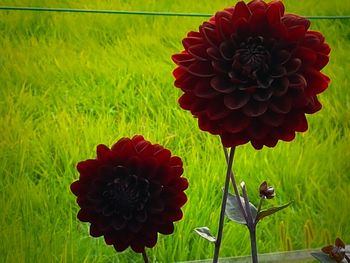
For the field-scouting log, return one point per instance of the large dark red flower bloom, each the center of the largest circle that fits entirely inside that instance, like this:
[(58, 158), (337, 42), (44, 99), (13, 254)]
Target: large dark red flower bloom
[(251, 73), (131, 192)]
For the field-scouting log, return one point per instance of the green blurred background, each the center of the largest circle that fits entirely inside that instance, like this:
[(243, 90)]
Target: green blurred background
[(70, 81)]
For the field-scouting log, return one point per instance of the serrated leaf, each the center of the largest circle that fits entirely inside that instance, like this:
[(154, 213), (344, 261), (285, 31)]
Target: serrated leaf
[(322, 257), (205, 233), (270, 211), (233, 211)]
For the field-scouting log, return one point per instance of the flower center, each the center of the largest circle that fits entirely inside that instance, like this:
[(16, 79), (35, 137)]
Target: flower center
[(125, 194), (252, 56)]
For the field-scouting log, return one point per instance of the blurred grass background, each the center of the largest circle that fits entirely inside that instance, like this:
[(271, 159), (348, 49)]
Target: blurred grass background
[(72, 81)]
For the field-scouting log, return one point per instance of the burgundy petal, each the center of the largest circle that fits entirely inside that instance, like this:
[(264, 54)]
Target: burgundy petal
[(255, 108), (272, 118), (201, 69), (307, 55), (262, 95), (274, 12), (316, 82), (217, 110), (229, 139), (103, 152), (297, 81), (184, 59), (236, 99), (321, 61), (227, 50), (214, 53), (258, 130), (208, 32), (241, 10), (222, 85), (296, 121), (293, 65), (280, 86), (282, 56), (199, 51), (203, 89), (256, 6), (278, 72), (191, 41), (296, 32), (281, 104), (235, 122)]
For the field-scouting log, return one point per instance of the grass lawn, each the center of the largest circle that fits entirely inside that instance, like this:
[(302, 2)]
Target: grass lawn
[(71, 81)]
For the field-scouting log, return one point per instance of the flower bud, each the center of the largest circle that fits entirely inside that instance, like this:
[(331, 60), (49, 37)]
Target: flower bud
[(336, 252), (266, 191)]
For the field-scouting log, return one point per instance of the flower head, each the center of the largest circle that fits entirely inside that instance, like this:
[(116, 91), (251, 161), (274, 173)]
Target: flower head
[(131, 192), (266, 191), (251, 73), (336, 252)]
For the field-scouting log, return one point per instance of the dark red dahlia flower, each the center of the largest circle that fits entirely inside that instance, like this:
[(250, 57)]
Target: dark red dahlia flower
[(131, 192), (251, 73)]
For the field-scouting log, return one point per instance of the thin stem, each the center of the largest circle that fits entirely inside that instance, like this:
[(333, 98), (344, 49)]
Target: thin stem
[(223, 206), (235, 188), (251, 225), (254, 250), (250, 219), (260, 204), (144, 255)]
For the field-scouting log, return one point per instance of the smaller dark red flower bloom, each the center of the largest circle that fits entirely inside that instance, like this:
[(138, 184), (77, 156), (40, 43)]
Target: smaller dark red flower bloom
[(336, 252), (130, 193), (266, 191)]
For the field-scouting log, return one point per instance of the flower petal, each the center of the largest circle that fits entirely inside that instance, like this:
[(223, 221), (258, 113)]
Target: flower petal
[(203, 89), (236, 99), (222, 85), (255, 108), (191, 41), (235, 122), (272, 118), (201, 69), (280, 86), (241, 10), (274, 12), (316, 82), (281, 104), (199, 51)]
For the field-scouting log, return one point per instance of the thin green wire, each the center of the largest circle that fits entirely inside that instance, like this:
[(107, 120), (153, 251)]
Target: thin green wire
[(122, 12)]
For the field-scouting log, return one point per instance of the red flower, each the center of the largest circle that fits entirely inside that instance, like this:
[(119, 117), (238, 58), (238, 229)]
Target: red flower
[(131, 192), (266, 191), (251, 73), (336, 252)]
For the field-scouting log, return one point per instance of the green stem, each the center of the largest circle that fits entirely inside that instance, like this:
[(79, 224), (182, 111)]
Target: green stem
[(144, 255), (253, 247), (223, 207), (235, 188), (251, 225), (260, 204)]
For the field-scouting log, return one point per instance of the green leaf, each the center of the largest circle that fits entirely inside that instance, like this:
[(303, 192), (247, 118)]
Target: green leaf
[(322, 257), (270, 211), (205, 233), (233, 211)]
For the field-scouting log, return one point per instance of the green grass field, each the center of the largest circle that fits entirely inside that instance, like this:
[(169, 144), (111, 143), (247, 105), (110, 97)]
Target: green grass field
[(72, 81)]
